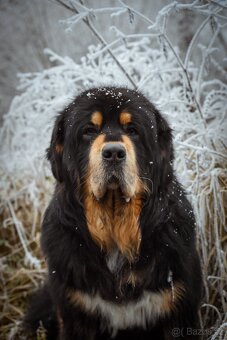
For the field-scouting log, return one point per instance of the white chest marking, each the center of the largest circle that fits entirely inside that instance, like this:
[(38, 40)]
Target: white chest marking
[(132, 314), (148, 308)]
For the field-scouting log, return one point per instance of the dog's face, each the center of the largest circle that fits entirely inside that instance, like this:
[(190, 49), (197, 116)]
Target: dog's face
[(112, 149), (111, 138), (113, 162)]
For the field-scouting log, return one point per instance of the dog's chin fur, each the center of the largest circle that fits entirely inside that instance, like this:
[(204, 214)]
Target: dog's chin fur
[(129, 185), (113, 186), (114, 190), (121, 252), (116, 186)]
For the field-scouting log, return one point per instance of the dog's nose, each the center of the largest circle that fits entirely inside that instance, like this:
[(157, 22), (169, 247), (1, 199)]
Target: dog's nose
[(113, 152)]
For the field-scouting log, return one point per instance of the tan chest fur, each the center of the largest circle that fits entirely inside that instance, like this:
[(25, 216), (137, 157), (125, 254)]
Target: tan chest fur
[(115, 223)]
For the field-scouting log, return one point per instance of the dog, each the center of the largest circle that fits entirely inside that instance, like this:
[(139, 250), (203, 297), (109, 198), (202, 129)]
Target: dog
[(119, 233)]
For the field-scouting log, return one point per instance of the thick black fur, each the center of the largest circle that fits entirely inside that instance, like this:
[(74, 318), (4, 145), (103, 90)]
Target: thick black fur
[(167, 225)]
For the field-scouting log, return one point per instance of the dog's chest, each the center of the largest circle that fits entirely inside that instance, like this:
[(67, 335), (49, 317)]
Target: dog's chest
[(115, 261), (135, 313), (126, 280), (124, 311), (130, 313)]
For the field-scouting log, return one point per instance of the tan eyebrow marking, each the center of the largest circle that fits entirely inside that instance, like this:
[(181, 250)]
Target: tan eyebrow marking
[(125, 118), (97, 118)]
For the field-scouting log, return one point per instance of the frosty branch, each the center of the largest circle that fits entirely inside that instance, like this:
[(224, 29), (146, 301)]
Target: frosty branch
[(84, 13), (85, 18)]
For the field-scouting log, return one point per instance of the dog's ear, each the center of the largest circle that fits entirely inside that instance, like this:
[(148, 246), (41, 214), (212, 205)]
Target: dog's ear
[(165, 139), (55, 151)]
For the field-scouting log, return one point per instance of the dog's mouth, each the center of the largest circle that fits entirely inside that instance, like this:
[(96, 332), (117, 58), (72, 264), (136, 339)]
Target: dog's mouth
[(116, 183), (113, 183)]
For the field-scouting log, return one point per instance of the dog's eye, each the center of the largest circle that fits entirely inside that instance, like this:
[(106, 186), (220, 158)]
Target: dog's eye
[(90, 131), (131, 130)]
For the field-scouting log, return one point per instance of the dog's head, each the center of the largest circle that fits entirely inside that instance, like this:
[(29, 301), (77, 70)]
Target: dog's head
[(111, 138), (112, 141)]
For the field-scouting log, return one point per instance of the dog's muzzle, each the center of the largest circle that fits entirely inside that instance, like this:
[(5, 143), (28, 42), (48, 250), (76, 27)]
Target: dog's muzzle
[(113, 166), (113, 153), (113, 157)]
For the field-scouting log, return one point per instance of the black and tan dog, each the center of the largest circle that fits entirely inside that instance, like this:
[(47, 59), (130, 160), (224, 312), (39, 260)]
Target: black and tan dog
[(119, 233)]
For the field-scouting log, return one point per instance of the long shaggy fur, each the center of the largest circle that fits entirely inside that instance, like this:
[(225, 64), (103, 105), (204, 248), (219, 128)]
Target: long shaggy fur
[(119, 236)]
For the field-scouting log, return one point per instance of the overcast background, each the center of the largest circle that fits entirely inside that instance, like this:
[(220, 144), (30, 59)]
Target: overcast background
[(29, 26)]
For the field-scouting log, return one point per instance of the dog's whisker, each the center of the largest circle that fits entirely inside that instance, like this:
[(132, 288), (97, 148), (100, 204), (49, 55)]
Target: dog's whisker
[(150, 180)]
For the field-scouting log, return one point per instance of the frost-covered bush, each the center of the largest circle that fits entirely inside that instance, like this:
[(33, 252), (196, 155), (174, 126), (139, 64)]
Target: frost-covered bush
[(194, 100)]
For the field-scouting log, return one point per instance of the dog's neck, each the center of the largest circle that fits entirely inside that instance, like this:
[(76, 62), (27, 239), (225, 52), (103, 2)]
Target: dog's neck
[(113, 222)]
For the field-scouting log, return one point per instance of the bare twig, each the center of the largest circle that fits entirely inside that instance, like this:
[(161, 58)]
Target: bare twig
[(103, 42), (218, 4), (178, 59), (195, 37)]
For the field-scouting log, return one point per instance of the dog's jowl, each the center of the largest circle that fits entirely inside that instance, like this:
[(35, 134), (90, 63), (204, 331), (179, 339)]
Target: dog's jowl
[(119, 233)]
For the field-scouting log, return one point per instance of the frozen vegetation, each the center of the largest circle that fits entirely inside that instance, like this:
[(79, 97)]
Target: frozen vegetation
[(190, 90)]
